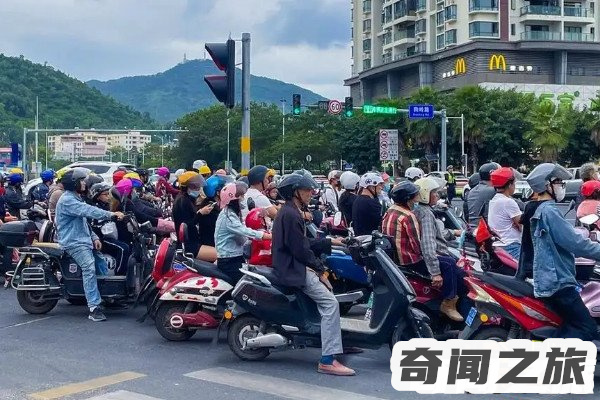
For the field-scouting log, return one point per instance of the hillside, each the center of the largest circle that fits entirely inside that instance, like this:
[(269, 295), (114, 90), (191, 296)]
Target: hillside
[(180, 90), (64, 102)]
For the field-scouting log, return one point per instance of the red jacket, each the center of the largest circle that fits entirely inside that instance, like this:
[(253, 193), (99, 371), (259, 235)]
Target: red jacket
[(163, 187)]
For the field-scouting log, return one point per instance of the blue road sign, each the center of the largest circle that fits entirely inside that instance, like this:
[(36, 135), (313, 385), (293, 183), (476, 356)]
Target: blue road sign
[(348, 167), (420, 111)]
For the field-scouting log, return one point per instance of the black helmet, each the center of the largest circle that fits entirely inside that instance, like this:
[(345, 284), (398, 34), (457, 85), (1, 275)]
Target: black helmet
[(474, 180), (257, 174), (243, 179), (403, 192), (72, 177), (290, 183), (97, 189), (141, 172), (92, 179), (486, 169)]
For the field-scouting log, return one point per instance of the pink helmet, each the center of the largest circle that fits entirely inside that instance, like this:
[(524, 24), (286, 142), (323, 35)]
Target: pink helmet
[(124, 187), (231, 191), (163, 171)]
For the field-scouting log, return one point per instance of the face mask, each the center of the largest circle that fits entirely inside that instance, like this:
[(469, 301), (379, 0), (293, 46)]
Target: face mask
[(559, 192), (194, 193)]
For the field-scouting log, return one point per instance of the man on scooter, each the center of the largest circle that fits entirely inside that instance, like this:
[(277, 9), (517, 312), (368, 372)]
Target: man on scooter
[(76, 237), (296, 265), (555, 243)]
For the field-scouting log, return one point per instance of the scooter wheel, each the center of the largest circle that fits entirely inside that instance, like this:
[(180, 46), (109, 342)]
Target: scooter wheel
[(492, 333), (31, 302), (163, 322), (242, 329)]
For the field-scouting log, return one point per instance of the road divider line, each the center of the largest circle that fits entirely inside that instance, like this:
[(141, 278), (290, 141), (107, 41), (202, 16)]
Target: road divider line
[(123, 395), (275, 386), (25, 323), (75, 388)]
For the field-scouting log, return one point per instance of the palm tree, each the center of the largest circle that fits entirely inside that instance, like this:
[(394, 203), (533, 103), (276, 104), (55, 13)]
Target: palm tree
[(551, 128), (595, 128), (425, 132)]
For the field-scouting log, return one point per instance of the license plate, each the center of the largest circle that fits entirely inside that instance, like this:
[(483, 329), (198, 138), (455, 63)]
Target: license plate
[(471, 316)]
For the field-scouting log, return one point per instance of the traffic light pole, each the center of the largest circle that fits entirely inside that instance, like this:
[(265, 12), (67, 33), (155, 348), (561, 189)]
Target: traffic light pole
[(245, 143)]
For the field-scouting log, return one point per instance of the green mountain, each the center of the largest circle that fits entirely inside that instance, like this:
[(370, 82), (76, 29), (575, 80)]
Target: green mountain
[(169, 95), (64, 102)]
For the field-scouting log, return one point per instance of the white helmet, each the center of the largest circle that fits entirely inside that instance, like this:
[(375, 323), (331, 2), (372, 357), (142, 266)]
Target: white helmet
[(179, 172), (370, 179), (198, 163), (335, 174), (349, 180), (428, 185), (413, 173)]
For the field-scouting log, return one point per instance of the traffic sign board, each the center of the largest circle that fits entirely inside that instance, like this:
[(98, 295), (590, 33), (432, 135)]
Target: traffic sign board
[(335, 107), (388, 144), (323, 105), (420, 111)]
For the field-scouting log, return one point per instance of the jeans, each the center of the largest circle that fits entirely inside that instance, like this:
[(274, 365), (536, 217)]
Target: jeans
[(90, 263), (577, 321), (231, 267), (514, 249), (453, 284), (329, 309)]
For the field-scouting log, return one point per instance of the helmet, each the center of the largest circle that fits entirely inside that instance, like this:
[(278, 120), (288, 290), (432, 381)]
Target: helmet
[(335, 174), (502, 177), (426, 186), (60, 173), (132, 175), (163, 171), (486, 169), (142, 172), (588, 188), (196, 182), (72, 177), (118, 175), (243, 179), (179, 172), (257, 174), (449, 167), (204, 170), (14, 179), (290, 183), (198, 163), (403, 192), (256, 219), (97, 189), (47, 175), (370, 179), (92, 179), (135, 179), (413, 173), (124, 187), (16, 171), (185, 177), (221, 172), (232, 191), (349, 180), (587, 171), (474, 180), (545, 173), (214, 184)]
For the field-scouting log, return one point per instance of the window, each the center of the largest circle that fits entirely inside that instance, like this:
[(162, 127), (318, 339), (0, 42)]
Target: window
[(367, 25), (441, 42), (513, 5), (483, 29), (451, 12), (484, 5), (513, 29), (440, 17), (367, 45), (421, 26), (579, 71), (421, 48), (451, 37), (367, 6), (366, 64)]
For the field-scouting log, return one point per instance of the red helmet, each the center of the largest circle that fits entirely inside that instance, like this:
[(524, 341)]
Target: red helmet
[(118, 175), (589, 187), (502, 177), (256, 219)]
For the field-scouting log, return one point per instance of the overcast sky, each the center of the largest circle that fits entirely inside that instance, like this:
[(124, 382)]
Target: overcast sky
[(305, 42)]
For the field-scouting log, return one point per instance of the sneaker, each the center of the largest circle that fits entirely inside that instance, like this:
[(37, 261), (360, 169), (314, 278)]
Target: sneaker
[(335, 369), (97, 315)]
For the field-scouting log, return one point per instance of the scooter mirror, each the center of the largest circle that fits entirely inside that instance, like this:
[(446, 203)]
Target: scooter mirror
[(337, 219), (589, 219)]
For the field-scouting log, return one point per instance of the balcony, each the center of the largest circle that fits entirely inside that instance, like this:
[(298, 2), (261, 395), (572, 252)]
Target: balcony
[(541, 10), (540, 35), (483, 6), (578, 37), (404, 37), (578, 12), (421, 5), (406, 54)]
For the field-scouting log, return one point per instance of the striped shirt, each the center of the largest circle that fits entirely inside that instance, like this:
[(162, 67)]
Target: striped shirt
[(402, 224)]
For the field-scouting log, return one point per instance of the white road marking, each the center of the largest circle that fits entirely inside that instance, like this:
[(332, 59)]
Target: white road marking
[(123, 395), (25, 323)]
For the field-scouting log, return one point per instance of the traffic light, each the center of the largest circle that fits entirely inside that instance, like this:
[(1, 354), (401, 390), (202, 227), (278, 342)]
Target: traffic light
[(348, 107), (296, 104), (223, 86)]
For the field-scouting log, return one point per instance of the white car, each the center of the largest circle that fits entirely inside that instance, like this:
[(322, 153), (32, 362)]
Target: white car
[(104, 169)]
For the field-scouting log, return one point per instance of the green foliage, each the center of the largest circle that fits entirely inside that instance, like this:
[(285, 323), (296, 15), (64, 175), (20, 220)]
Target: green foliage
[(551, 128)]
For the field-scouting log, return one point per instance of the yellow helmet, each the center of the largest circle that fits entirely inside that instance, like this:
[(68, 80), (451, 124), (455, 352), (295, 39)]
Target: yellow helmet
[(61, 172), (16, 171), (185, 177), (204, 170), (132, 175)]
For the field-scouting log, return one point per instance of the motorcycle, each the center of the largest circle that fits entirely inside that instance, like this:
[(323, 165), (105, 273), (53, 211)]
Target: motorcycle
[(265, 316)]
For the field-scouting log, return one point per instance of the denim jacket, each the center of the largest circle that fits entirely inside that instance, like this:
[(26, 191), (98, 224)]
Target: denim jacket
[(555, 245), (231, 234), (72, 225)]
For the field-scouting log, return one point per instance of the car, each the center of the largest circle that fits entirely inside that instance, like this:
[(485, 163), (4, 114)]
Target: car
[(102, 168)]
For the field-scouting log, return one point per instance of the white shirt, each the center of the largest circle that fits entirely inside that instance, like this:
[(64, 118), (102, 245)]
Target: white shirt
[(331, 196), (502, 210), (260, 201)]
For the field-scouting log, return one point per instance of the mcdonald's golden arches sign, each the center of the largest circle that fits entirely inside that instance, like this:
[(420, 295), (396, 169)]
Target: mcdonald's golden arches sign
[(497, 61), (460, 66)]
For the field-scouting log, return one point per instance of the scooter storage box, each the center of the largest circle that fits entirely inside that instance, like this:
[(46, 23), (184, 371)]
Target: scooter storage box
[(18, 233), (584, 269)]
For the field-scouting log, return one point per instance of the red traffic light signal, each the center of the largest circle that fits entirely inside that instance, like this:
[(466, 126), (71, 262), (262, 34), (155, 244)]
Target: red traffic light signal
[(222, 86)]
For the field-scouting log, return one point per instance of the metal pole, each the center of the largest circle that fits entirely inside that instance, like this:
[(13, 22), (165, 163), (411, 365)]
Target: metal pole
[(143, 157), (162, 151), (245, 143), (283, 136), (36, 131), (462, 144), (443, 156), (24, 151), (46, 151), (227, 167)]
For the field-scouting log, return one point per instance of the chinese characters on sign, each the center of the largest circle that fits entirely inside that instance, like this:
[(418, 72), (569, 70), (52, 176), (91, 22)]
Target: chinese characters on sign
[(367, 109), (420, 111), (484, 366), (388, 144)]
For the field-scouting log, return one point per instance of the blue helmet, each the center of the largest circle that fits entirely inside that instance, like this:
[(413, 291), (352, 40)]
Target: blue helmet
[(15, 179), (47, 175), (214, 184)]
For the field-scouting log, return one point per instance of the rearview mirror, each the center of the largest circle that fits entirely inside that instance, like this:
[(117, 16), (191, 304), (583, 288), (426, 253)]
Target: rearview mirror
[(337, 218), (589, 219)]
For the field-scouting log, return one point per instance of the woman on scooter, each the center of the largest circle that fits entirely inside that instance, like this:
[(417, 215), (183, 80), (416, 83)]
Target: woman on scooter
[(555, 242), (366, 210), (207, 223), (590, 191), (437, 262), (349, 181), (231, 233)]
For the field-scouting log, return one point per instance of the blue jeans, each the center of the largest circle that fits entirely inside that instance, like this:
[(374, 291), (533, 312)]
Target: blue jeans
[(91, 264), (514, 249)]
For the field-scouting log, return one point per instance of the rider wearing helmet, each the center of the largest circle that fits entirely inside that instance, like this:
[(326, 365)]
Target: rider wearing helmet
[(400, 223), (556, 245), (590, 191), (413, 173), (76, 237), (205, 171), (163, 187), (15, 200), (331, 194), (296, 265), (259, 178), (41, 190), (504, 216), (207, 223), (349, 181), (366, 210), (480, 195), (588, 172), (436, 260), (231, 233), (56, 191)]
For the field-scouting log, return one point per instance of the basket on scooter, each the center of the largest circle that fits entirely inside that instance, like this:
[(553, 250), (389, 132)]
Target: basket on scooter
[(18, 233)]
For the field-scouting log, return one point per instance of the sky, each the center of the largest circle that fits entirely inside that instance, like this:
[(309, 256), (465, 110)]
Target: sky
[(305, 42)]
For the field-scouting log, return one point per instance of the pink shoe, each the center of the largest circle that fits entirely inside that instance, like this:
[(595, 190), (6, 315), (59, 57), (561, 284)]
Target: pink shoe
[(335, 369)]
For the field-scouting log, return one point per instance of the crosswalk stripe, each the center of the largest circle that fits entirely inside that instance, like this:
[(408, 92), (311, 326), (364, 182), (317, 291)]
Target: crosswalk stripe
[(123, 395), (92, 384), (274, 386)]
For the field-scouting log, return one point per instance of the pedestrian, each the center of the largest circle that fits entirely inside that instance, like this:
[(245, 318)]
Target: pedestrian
[(451, 181)]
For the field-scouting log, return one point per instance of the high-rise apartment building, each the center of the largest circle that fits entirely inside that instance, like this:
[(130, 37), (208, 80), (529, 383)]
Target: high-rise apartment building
[(548, 47)]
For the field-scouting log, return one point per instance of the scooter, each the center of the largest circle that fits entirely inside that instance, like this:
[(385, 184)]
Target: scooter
[(265, 316)]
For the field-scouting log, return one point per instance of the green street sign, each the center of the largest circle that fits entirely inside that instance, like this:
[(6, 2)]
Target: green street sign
[(367, 109)]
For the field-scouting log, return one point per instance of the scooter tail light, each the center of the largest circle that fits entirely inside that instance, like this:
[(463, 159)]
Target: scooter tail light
[(479, 294), (530, 312)]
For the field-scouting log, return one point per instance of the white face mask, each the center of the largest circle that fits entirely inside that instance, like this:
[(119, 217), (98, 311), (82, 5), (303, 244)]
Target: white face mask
[(559, 192)]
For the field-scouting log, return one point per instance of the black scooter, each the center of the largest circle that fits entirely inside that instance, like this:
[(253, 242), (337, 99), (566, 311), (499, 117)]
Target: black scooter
[(265, 316)]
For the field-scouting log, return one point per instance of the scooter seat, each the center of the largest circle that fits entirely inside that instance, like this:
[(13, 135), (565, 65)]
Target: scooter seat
[(52, 249), (510, 284), (208, 269), (269, 273)]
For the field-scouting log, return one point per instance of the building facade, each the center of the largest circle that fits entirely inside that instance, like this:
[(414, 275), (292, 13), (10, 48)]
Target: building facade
[(91, 145), (547, 47)]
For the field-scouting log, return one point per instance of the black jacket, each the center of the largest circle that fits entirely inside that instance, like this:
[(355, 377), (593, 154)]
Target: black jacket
[(345, 205), (146, 207), (292, 250), (15, 201), (366, 215), (207, 224), (184, 210)]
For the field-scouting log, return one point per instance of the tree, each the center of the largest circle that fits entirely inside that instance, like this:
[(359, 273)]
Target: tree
[(551, 128)]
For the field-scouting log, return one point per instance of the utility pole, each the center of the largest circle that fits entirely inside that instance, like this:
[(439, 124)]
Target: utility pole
[(444, 144), (283, 101), (37, 117), (228, 166), (245, 143)]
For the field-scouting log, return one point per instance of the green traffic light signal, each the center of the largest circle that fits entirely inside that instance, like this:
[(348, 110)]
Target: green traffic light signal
[(348, 107), (296, 104), (296, 111)]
